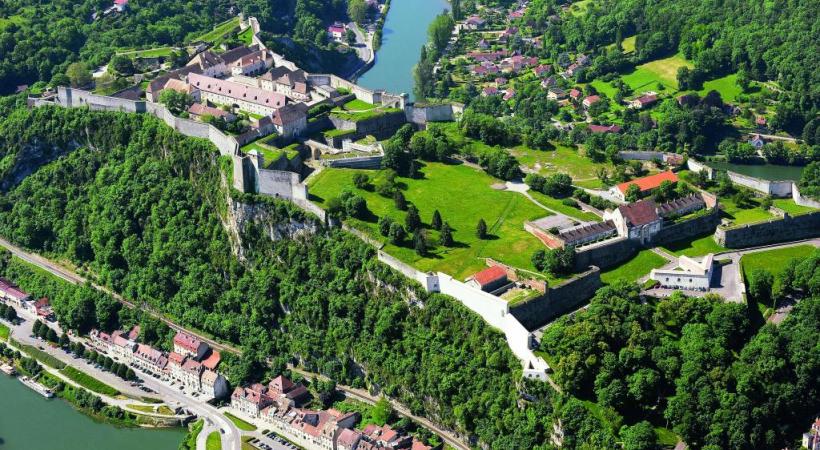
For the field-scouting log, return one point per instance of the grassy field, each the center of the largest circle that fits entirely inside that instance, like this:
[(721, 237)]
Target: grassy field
[(463, 195), (603, 87), (726, 86), (579, 8), (635, 268), (740, 216), (4, 332), (647, 76), (358, 105), (556, 205), (246, 36), (666, 437), (151, 409), (562, 159), (788, 205), (40, 355), (773, 260), (214, 441), (697, 246), (241, 424), (87, 381), (219, 32)]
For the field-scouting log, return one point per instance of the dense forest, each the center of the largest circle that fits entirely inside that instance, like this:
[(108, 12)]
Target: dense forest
[(38, 40), (703, 367)]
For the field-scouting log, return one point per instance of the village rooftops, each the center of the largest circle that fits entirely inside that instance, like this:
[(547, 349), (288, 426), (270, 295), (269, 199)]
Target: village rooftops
[(176, 359), (639, 213), (586, 230), (151, 355), (605, 128), (121, 341), (348, 438), (290, 113), (650, 182), (237, 91), (9, 289), (192, 367), (255, 397)]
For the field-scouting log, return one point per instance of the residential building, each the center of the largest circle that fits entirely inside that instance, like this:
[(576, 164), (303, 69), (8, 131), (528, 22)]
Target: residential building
[(188, 345), (213, 384), (336, 31), (250, 400), (757, 141), (102, 341), (645, 184), (591, 100), (286, 392), (474, 22), (811, 440), (42, 309), (12, 294), (174, 367), (122, 348), (237, 95), (489, 279), (348, 439), (489, 90), (575, 94), (149, 360), (191, 372), (638, 221), (556, 93), (211, 362), (605, 128), (689, 275), (644, 100)]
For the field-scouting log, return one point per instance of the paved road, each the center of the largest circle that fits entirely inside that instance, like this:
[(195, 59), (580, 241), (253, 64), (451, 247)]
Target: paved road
[(363, 43), (364, 396), (74, 278)]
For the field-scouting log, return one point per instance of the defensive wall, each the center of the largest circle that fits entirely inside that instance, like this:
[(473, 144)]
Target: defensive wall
[(421, 114), (688, 229), (247, 177), (605, 254), (362, 162), (788, 228), (492, 309), (558, 300), (373, 96), (646, 155)]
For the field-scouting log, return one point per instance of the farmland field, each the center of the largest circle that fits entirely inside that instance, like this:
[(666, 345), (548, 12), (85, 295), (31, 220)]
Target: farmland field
[(726, 86), (647, 76)]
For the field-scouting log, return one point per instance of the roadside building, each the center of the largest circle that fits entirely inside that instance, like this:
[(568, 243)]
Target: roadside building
[(188, 345), (42, 309), (489, 279), (644, 100), (174, 367), (348, 439), (213, 384), (250, 400), (212, 361), (191, 373), (122, 348), (149, 360), (591, 100), (556, 93), (689, 275), (12, 294), (811, 440), (101, 341)]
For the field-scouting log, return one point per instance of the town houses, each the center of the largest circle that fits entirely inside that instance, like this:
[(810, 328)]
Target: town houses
[(192, 363), (279, 406), (12, 294)]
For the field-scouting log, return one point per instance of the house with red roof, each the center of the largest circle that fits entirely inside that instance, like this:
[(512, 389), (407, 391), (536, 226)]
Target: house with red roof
[(474, 22), (250, 401), (150, 360), (605, 128), (42, 308), (191, 373), (509, 94), (12, 294), (489, 90), (212, 360), (489, 279), (100, 340), (120, 5), (638, 221), (336, 31), (644, 100), (591, 100), (645, 184), (247, 98), (188, 345), (122, 348)]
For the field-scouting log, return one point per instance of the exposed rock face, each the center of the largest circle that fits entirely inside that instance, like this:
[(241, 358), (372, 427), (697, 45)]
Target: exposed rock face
[(31, 157)]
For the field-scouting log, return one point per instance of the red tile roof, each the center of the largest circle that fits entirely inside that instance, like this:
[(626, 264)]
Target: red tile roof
[(187, 341), (639, 213), (237, 91), (650, 182), (212, 360), (490, 275), (11, 290), (605, 128), (176, 358)]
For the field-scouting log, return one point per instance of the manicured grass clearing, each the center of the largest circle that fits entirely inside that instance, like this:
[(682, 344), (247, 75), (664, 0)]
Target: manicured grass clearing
[(462, 195), (241, 424), (363, 115), (40, 355), (738, 216), (219, 31), (666, 437), (603, 87), (87, 381), (647, 76), (727, 86), (788, 205), (773, 260), (358, 105), (697, 246), (579, 8), (269, 153), (214, 441), (246, 36), (635, 268), (628, 44), (556, 205), (4, 332), (193, 433), (149, 52)]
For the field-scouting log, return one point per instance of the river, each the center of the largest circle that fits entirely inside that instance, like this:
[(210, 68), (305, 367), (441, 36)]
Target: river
[(31, 422), (404, 33), (765, 171)]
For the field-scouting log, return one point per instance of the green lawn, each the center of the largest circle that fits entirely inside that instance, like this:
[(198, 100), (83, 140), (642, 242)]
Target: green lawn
[(214, 441), (740, 216), (358, 105), (646, 77), (190, 439), (579, 8), (773, 260), (149, 52), (246, 36), (4, 332), (87, 381), (219, 32), (556, 205), (462, 195), (241, 424), (788, 205), (603, 87), (727, 86), (640, 265), (697, 246), (666, 437), (39, 355), (360, 115), (628, 44), (562, 159)]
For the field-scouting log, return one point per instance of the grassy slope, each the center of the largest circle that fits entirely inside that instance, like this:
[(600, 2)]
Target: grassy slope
[(462, 195), (739, 216), (773, 260), (4, 332), (241, 424), (562, 159), (214, 441), (87, 381), (646, 76), (697, 246), (640, 265)]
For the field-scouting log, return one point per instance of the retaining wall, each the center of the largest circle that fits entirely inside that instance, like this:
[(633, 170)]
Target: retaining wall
[(430, 113), (803, 200), (688, 229), (776, 230), (557, 301), (364, 162), (696, 166), (773, 188), (605, 254)]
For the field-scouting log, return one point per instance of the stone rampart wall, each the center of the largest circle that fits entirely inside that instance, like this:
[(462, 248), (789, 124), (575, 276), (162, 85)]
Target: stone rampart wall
[(773, 188), (694, 227), (803, 200), (558, 300), (605, 254), (430, 113), (776, 230), (696, 166)]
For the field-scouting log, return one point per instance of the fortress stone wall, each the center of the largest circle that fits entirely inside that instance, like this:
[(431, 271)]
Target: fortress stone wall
[(771, 231), (559, 300)]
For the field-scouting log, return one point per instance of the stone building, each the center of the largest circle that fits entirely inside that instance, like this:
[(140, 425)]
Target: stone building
[(638, 221), (690, 275)]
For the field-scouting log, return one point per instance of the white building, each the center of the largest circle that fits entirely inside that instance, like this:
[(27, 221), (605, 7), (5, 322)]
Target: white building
[(149, 360), (690, 275), (187, 345), (638, 221), (213, 384), (237, 95)]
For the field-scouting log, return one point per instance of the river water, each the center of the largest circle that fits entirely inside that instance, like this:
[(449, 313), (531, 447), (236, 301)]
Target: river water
[(404, 33), (30, 422)]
